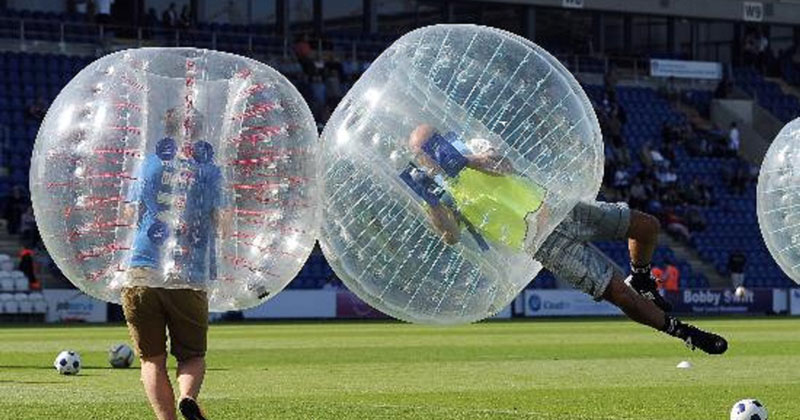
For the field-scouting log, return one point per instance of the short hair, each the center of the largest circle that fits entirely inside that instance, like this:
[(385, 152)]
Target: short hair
[(175, 118)]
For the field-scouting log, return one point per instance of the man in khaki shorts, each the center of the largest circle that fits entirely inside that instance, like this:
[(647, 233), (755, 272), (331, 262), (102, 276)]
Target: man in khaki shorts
[(177, 195), (478, 184)]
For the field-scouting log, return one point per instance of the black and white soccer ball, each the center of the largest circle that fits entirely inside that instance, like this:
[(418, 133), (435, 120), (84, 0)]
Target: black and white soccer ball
[(120, 356), (749, 410), (68, 362)]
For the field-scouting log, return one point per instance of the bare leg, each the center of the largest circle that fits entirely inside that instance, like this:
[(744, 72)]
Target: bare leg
[(190, 376), (642, 238), (157, 387), (634, 305), (646, 312)]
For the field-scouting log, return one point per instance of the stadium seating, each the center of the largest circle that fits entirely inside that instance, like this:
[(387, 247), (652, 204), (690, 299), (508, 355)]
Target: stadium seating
[(29, 76), (732, 221), (314, 274), (767, 94), (20, 283), (700, 99), (24, 304), (39, 303), (6, 283), (8, 303)]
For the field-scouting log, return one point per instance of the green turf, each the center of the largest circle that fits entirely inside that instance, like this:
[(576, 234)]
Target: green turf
[(608, 369)]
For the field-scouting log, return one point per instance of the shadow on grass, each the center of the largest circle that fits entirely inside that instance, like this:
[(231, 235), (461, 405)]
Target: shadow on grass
[(83, 368), (51, 368), (8, 381)]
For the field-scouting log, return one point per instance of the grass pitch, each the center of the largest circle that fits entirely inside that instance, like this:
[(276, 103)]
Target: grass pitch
[(597, 369)]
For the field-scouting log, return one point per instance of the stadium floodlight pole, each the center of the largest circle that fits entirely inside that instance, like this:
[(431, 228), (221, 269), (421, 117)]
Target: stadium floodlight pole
[(369, 21), (282, 18), (318, 21)]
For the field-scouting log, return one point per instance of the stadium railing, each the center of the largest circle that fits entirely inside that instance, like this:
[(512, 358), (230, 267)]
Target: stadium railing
[(242, 39)]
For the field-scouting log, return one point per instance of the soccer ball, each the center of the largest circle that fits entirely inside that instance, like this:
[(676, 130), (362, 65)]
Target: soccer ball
[(68, 362), (749, 410), (120, 356)]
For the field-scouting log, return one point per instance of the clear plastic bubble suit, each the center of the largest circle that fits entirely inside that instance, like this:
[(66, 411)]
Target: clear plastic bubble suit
[(196, 166), (480, 88), (778, 199)]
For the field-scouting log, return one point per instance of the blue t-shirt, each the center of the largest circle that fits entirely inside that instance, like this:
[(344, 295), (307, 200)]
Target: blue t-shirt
[(197, 180)]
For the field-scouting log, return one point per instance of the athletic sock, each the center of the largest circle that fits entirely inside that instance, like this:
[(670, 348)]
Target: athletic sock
[(640, 274), (640, 269), (674, 327)]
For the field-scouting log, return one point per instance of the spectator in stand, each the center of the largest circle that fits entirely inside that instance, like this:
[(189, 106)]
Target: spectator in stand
[(646, 155), (304, 54), (36, 111), (668, 133), (740, 177), (638, 194), (658, 274), (151, 22), (764, 52), (695, 219), (668, 152), (170, 16), (91, 10), (13, 208), (614, 125), (609, 171), (670, 197), (333, 82), (697, 146), (103, 16), (733, 140), (332, 283), (664, 174), (318, 97), (750, 50), (27, 264), (622, 179), (29, 232), (672, 276), (736, 264), (610, 82), (671, 91), (657, 158), (231, 12), (724, 88), (697, 193), (619, 152), (79, 7), (186, 16), (655, 207), (676, 226)]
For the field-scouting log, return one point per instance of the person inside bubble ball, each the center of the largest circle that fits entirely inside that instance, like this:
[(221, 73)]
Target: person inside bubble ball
[(477, 187), (172, 259)]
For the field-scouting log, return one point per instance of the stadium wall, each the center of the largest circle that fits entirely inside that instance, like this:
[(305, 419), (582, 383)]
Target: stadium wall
[(70, 305), (794, 301)]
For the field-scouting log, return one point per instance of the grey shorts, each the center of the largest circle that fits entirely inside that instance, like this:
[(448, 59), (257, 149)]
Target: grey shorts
[(568, 254)]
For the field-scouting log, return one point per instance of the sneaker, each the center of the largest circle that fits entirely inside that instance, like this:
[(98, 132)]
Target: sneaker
[(646, 287), (695, 338), (190, 410)]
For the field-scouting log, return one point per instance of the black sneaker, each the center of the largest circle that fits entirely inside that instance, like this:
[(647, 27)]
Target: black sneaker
[(646, 287), (695, 338), (190, 410)]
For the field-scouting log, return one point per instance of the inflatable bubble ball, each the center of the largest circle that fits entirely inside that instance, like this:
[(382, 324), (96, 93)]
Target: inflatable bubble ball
[(778, 199), (447, 164), (177, 168)]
